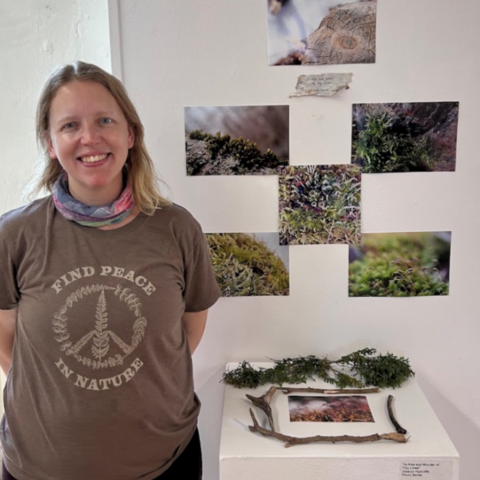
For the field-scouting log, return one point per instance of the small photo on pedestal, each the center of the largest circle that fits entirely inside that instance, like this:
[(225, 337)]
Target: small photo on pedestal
[(349, 408), (405, 137), (319, 204), (251, 140), (249, 264), (400, 265), (321, 32)]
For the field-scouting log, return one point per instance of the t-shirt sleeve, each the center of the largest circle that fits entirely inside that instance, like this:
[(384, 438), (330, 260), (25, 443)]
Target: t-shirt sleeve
[(201, 288), (9, 293)]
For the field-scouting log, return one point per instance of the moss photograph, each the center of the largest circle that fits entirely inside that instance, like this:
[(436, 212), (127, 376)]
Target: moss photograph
[(319, 204), (251, 140), (400, 265), (345, 408), (405, 137), (249, 264), (321, 32)]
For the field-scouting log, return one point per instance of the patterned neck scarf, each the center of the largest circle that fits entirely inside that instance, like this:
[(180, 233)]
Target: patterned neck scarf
[(78, 212)]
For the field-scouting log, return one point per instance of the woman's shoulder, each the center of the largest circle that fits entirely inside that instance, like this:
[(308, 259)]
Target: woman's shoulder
[(179, 222), (176, 214), (29, 214)]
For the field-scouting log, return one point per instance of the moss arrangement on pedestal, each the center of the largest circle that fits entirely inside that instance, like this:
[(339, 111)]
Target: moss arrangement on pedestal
[(358, 369), (245, 266), (319, 204), (222, 155), (400, 265)]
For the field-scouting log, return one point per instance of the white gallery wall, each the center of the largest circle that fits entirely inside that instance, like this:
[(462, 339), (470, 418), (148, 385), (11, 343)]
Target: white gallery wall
[(214, 53)]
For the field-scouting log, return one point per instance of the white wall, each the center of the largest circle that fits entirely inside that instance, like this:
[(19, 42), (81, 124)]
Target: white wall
[(36, 36), (214, 52)]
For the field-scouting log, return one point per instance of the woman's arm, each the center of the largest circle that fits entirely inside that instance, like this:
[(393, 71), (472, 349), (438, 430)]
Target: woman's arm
[(7, 335), (194, 324)]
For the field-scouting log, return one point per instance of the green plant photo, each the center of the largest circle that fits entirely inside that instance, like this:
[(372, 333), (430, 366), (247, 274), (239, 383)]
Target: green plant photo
[(400, 265)]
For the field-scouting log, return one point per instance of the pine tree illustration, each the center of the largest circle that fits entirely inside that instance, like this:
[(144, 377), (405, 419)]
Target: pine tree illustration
[(100, 339)]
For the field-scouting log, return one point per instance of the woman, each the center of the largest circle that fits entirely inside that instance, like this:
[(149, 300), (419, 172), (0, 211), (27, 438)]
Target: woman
[(105, 289)]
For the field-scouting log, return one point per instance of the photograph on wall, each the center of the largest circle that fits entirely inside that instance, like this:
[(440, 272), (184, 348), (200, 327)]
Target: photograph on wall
[(405, 137), (249, 264), (400, 265), (347, 408), (321, 32), (319, 204), (250, 140)]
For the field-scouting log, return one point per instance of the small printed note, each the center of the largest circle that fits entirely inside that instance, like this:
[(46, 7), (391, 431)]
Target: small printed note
[(427, 470), (324, 85)]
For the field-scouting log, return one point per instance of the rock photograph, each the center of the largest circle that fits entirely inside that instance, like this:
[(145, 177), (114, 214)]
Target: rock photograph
[(321, 32)]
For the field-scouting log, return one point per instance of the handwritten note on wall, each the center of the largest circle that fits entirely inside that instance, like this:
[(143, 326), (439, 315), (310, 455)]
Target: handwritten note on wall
[(324, 85)]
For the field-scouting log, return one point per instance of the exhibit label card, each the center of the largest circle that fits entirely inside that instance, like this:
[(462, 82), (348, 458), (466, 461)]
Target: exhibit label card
[(427, 470)]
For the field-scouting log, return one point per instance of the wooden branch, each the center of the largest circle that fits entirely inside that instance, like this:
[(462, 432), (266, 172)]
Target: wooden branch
[(263, 403), (290, 441), (329, 391), (394, 421)]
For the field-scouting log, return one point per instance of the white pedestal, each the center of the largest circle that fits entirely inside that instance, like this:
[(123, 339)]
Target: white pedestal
[(428, 455)]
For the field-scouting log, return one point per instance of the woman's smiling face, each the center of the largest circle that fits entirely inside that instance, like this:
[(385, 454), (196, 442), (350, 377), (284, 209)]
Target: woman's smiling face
[(90, 137)]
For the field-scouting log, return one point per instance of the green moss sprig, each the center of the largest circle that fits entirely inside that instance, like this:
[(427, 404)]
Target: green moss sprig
[(356, 370)]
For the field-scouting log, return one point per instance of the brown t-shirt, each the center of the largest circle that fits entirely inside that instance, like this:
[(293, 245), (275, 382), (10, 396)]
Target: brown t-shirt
[(101, 380)]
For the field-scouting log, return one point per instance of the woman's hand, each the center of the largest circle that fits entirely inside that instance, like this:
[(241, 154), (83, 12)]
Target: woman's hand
[(194, 324), (8, 319)]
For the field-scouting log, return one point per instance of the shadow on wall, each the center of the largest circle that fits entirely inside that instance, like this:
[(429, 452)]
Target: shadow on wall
[(455, 422)]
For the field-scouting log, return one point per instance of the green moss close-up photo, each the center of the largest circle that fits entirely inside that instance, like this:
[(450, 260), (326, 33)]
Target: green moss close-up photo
[(236, 140), (245, 265), (405, 137), (319, 204), (400, 265)]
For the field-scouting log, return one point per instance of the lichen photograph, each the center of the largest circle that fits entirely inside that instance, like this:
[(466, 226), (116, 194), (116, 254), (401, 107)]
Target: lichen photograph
[(400, 265), (249, 264), (249, 140), (405, 137), (348, 408), (321, 32), (319, 204)]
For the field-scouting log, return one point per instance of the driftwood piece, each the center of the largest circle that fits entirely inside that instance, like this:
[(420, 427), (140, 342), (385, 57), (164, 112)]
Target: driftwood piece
[(391, 415), (263, 403), (345, 35), (290, 441), (328, 391)]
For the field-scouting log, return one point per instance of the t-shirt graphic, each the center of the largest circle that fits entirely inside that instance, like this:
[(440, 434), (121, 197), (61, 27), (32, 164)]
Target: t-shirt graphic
[(101, 348)]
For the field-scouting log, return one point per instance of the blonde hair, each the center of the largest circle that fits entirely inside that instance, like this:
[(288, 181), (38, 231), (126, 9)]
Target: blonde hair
[(139, 167)]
